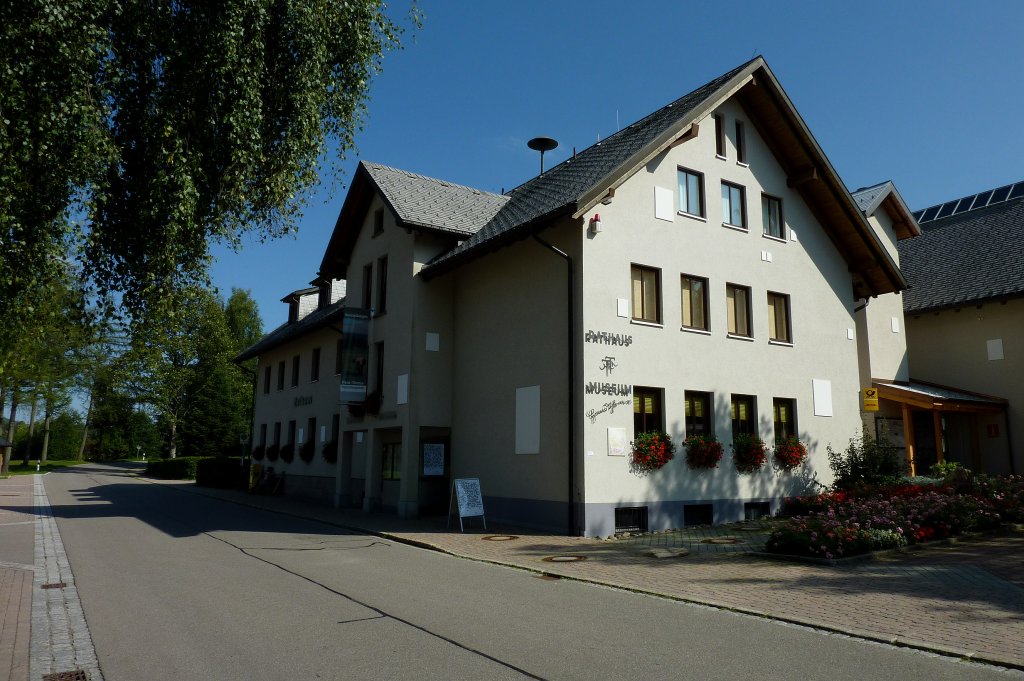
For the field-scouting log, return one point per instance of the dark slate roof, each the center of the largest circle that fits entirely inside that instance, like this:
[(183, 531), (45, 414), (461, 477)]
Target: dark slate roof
[(287, 332), (966, 258), (428, 202), (559, 188), (866, 197)]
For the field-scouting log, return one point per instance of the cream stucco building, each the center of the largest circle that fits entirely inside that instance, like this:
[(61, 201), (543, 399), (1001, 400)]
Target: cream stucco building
[(704, 270)]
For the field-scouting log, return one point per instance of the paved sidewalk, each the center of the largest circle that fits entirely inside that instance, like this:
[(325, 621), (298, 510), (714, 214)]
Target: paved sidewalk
[(16, 568), (964, 599)]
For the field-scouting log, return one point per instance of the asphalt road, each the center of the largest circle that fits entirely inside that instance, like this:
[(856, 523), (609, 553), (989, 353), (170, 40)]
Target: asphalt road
[(181, 586)]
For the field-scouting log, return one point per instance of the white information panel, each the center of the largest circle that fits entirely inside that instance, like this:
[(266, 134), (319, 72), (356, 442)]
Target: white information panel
[(471, 502)]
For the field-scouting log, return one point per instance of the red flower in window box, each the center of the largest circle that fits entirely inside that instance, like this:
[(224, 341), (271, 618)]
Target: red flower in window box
[(651, 451), (789, 453), (703, 451), (749, 452)]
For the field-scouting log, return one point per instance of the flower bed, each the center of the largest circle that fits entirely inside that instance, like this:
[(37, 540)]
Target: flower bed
[(847, 523)]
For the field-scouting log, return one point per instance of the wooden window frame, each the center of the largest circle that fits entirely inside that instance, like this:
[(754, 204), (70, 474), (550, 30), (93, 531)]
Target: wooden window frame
[(733, 319), (736, 402), (644, 294), (688, 295), (719, 135), (657, 415), (741, 143), (791, 431), (707, 403), (775, 300), (766, 201)]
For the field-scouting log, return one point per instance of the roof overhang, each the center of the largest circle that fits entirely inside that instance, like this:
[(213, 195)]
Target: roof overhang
[(934, 397)]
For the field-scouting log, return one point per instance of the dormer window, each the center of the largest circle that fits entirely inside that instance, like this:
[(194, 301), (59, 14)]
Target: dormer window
[(293, 311)]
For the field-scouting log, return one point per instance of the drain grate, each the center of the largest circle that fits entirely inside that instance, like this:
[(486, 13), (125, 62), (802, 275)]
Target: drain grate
[(549, 578), (500, 537), (53, 585), (563, 559), (76, 675)]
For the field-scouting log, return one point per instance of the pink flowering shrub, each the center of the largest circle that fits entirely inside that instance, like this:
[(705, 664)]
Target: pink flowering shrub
[(838, 524)]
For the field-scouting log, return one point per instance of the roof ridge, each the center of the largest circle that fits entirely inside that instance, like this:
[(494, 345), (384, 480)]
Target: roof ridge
[(419, 176)]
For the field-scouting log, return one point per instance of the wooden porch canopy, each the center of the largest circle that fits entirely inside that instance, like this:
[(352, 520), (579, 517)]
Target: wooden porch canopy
[(937, 399)]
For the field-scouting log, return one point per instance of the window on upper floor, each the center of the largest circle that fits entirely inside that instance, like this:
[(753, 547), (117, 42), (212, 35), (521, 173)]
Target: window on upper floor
[(367, 286), (266, 379), (263, 435), (314, 366), (694, 295), (691, 192), (737, 301), (771, 217), (741, 143), (734, 205), (648, 415), (744, 415), (382, 285), (720, 135), (379, 385), (277, 433), (295, 371), (784, 415), (646, 294), (378, 222), (280, 375), (779, 329), (698, 414)]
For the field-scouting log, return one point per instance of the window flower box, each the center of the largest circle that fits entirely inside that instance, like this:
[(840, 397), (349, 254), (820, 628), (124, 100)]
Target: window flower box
[(790, 453), (651, 451), (749, 452), (703, 452)]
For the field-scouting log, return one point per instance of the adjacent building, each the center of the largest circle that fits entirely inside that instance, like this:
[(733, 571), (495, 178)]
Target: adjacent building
[(702, 271)]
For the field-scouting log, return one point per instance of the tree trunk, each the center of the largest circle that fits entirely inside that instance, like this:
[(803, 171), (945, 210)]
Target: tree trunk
[(31, 429), (5, 467), (174, 439), (85, 429), (47, 418)]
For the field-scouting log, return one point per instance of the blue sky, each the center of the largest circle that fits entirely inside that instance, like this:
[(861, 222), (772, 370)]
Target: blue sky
[(927, 94)]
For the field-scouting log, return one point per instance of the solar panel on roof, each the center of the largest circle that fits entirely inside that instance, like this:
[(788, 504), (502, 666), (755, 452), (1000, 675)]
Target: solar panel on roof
[(1017, 191), (983, 199), (964, 205), (1001, 194), (929, 214), (918, 214), (947, 209)]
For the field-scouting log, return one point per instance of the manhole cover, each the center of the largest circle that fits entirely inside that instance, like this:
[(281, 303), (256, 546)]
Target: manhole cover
[(722, 540), (54, 585), (77, 675), (500, 537), (563, 559)]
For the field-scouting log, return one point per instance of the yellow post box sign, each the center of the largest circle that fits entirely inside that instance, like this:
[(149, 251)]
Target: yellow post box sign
[(870, 399)]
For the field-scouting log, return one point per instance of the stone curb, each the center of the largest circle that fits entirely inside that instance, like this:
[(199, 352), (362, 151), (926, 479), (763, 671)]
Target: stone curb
[(936, 648)]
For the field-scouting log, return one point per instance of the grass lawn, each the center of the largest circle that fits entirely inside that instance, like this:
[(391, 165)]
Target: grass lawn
[(18, 468)]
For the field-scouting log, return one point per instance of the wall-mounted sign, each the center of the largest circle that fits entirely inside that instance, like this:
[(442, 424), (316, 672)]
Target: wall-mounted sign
[(433, 459), (303, 401), (355, 355), (617, 442), (471, 502), (608, 338), (608, 365), (608, 407), (614, 389), (870, 399)]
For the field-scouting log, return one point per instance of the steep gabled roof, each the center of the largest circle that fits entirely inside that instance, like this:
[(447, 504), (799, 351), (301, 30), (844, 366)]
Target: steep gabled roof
[(966, 259), (577, 184), (290, 331), (870, 199), (417, 201)]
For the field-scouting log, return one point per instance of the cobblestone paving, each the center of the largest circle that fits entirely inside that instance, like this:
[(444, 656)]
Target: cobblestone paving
[(60, 636), (15, 578)]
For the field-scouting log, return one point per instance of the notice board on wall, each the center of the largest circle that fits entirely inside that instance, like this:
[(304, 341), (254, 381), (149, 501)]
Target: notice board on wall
[(466, 492)]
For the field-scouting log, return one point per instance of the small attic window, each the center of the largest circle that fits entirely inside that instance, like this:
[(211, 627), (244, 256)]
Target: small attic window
[(324, 295), (378, 222), (293, 311)]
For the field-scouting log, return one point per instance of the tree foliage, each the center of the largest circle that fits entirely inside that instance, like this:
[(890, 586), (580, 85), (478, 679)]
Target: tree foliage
[(159, 126)]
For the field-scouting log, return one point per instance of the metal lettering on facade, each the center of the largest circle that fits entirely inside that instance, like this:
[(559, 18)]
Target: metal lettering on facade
[(608, 338), (608, 407), (617, 389)]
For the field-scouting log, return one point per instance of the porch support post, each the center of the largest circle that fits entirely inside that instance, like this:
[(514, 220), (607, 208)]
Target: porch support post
[(940, 453), (908, 438)]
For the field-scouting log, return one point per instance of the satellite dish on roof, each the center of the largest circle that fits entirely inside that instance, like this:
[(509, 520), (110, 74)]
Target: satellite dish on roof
[(542, 144)]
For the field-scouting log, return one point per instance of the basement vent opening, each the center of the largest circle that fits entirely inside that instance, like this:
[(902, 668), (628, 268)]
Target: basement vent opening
[(698, 514), (631, 519), (755, 510)]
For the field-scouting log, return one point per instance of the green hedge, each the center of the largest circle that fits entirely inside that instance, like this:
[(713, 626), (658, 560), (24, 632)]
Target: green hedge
[(223, 472), (181, 468)]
